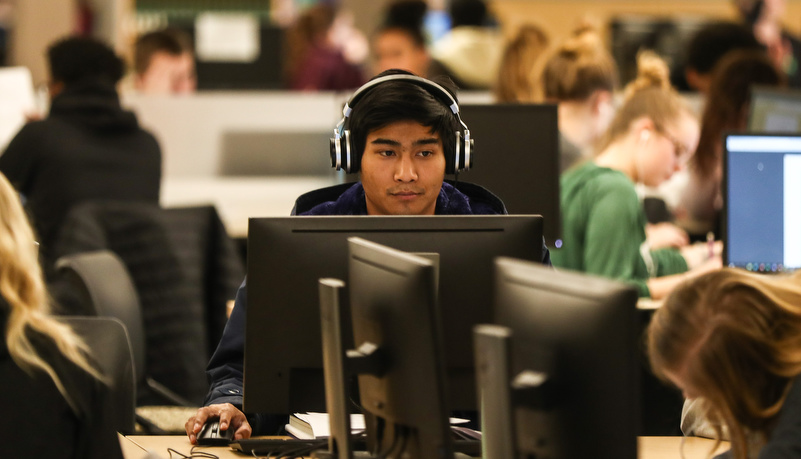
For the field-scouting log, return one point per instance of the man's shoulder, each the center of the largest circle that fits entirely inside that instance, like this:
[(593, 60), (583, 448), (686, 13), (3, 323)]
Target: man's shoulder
[(342, 199), (465, 198)]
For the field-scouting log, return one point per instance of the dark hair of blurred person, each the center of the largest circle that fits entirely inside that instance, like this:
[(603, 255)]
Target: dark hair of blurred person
[(709, 45), (400, 42), (468, 13), (77, 60)]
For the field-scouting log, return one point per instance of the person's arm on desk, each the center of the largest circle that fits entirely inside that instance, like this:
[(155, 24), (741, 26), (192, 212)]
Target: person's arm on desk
[(225, 372)]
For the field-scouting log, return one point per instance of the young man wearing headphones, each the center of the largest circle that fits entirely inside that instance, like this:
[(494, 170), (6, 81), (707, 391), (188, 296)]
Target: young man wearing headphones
[(402, 133)]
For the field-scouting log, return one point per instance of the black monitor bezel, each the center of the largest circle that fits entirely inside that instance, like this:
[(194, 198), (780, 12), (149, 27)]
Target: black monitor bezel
[(266, 327)]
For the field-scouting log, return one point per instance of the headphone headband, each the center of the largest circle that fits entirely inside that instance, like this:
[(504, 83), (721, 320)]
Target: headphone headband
[(445, 95), (342, 156)]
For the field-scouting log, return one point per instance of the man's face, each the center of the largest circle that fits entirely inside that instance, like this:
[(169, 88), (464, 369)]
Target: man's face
[(402, 169), (168, 74)]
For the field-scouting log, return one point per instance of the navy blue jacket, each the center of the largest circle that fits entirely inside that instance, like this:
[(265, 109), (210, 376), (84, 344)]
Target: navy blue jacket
[(225, 370)]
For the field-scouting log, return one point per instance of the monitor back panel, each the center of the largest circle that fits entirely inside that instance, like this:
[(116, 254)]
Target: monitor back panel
[(775, 110), (762, 202), (287, 256), (517, 158)]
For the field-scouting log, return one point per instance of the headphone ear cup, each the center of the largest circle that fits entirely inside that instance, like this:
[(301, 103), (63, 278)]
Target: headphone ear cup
[(463, 156), (350, 160), (342, 157), (469, 149), (334, 152)]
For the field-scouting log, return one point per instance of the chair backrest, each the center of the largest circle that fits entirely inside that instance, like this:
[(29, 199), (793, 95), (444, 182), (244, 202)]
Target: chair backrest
[(105, 282), (184, 268), (110, 348)]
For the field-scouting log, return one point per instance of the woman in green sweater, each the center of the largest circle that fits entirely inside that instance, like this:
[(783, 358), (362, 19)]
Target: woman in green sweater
[(652, 136)]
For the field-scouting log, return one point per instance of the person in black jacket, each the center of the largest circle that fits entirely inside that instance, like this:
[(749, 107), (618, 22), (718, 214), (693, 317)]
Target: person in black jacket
[(402, 139), (87, 148), (45, 372)]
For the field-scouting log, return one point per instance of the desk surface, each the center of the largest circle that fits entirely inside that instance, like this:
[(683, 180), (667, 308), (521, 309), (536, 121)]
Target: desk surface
[(137, 446)]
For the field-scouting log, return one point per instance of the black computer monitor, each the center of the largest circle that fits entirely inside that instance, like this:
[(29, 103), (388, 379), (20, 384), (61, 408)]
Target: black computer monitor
[(762, 202), (517, 158), (568, 362), (287, 256), (393, 304)]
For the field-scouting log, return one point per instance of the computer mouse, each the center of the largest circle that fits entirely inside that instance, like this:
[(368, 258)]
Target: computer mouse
[(211, 434)]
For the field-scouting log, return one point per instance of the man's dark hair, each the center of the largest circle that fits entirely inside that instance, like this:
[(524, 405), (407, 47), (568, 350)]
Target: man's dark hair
[(75, 59), (171, 41), (394, 101), (715, 40), (468, 13)]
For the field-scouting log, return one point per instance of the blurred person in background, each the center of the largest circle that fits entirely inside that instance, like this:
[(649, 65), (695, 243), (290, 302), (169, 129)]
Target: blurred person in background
[(765, 19), (400, 42), (87, 148), (515, 81), (709, 45), (164, 63), (650, 138), (580, 76), (470, 52), (726, 110), (315, 57)]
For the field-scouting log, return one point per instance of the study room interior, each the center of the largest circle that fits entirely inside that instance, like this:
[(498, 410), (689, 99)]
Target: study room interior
[(212, 280)]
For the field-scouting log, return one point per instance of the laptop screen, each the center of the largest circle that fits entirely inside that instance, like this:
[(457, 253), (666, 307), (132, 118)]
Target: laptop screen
[(762, 196)]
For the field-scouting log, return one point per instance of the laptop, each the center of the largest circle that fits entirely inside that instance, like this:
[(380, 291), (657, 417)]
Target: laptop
[(762, 202)]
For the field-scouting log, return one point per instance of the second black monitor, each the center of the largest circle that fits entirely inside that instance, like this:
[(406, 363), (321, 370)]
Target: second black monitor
[(517, 158)]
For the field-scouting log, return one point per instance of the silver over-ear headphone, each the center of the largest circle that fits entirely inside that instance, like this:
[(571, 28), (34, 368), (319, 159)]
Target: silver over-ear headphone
[(345, 157)]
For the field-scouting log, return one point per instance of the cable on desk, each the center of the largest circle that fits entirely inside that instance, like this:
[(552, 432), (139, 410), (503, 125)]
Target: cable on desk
[(192, 454)]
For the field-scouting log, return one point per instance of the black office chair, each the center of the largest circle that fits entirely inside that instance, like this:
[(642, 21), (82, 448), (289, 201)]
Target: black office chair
[(102, 280), (110, 348), (184, 269)]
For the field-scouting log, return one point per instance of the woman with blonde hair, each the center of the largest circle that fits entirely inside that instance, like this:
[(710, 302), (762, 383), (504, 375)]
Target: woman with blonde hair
[(652, 135), (731, 340), (579, 75), (515, 81), (52, 395)]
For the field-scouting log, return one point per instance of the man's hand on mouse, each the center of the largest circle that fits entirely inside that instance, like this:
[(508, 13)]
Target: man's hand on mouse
[(230, 418)]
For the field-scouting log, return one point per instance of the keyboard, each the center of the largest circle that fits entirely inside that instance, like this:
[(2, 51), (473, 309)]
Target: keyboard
[(277, 446)]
